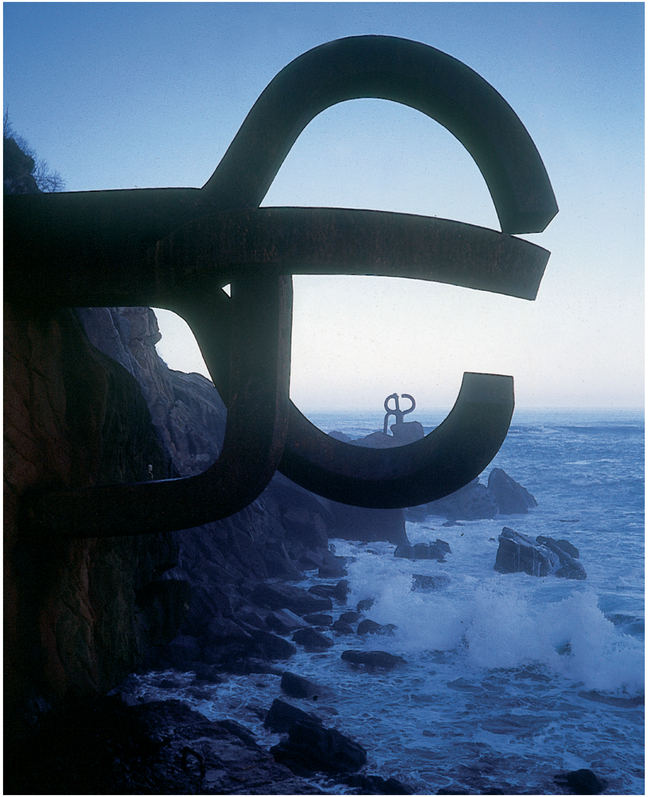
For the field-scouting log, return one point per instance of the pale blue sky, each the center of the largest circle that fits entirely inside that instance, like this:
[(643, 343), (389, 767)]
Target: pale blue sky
[(119, 95)]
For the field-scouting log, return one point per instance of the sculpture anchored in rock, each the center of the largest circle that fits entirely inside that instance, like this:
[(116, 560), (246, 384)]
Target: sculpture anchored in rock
[(397, 412), (177, 247)]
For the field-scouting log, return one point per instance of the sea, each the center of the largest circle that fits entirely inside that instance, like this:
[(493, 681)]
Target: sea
[(510, 679)]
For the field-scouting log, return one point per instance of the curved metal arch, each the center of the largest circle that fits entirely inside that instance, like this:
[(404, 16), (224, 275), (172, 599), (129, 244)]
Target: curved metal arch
[(404, 71)]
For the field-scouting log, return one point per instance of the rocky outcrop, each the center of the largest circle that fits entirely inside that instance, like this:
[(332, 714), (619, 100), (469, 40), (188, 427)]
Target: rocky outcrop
[(510, 497), (544, 556), (476, 501), (152, 748), (423, 550)]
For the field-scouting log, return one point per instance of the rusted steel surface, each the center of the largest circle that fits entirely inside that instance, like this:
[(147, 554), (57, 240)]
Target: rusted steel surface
[(175, 248)]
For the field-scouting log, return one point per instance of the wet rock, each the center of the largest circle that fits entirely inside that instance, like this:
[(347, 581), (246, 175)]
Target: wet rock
[(338, 592), (271, 647), (373, 659), (518, 553), (423, 550), (296, 686), (284, 596), (582, 781), (365, 604), (568, 555), (511, 498), (153, 748), (340, 627), (332, 566), (472, 502), (281, 716), (349, 617), (283, 621), (313, 747), (422, 582), (319, 619), (366, 525), (312, 640), (371, 627)]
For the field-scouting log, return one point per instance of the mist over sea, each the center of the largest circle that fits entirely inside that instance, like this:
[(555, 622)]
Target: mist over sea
[(510, 678)]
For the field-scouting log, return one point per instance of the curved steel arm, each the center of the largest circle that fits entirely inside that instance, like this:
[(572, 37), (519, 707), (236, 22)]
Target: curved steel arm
[(445, 460), (255, 434), (407, 72), (174, 248)]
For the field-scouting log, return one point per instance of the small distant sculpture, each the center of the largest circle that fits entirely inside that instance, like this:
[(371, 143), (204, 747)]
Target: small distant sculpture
[(397, 412)]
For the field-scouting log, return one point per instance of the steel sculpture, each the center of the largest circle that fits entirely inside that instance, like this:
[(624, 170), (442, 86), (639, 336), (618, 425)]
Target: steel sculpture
[(176, 247), (397, 412)]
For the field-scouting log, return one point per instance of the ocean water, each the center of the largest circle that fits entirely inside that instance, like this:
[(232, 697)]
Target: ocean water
[(510, 679)]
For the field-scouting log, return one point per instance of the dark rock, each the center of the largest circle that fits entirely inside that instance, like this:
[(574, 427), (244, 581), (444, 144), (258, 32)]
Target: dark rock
[(282, 716), (365, 604), (339, 591), (313, 747), (371, 627), (518, 553), (340, 627), (312, 640), (540, 557), (511, 498), (319, 619), (272, 647), (367, 525), (582, 781), (284, 596), (283, 621), (472, 502), (373, 659), (153, 748), (568, 555), (422, 550), (421, 582), (250, 617), (349, 617), (296, 686), (332, 566)]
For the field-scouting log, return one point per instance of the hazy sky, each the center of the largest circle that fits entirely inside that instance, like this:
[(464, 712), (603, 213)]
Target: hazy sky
[(123, 95)]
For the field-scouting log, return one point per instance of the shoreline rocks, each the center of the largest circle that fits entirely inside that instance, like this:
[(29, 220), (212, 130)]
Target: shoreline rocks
[(544, 556)]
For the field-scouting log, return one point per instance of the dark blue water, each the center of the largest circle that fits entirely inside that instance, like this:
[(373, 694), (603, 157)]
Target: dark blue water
[(509, 678)]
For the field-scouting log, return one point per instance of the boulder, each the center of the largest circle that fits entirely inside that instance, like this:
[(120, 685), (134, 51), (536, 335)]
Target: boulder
[(339, 591), (318, 619), (373, 659), (284, 596), (518, 553), (283, 621), (341, 627), (272, 647), (472, 502), (282, 716), (313, 747), (423, 550), (540, 557), (581, 781), (511, 498), (421, 582), (366, 525), (297, 686), (312, 640), (371, 627)]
